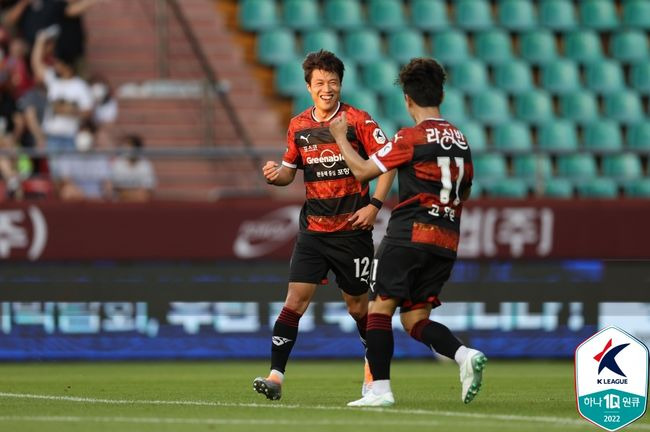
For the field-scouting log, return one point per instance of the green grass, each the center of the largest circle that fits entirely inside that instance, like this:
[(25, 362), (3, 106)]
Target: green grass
[(517, 396)]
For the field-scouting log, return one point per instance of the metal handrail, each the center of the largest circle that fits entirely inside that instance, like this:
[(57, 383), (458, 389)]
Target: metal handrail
[(211, 75)]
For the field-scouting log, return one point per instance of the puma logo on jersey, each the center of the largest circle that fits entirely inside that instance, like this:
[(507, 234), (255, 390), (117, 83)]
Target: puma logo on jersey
[(279, 341), (306, 138)]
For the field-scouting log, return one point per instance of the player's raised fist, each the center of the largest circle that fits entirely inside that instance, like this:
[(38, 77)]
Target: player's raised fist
[(339, 127), (271, 171)]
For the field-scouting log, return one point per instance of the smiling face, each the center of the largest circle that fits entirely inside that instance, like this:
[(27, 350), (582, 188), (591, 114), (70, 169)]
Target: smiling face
[(325, 91)]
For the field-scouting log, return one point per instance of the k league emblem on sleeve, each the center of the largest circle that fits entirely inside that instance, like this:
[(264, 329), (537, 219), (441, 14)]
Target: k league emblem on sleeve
[(611, 378)]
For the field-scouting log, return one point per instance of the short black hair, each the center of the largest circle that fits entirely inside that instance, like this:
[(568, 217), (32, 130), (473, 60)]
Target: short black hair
[(323, 60), (134, 141), (422, 80)]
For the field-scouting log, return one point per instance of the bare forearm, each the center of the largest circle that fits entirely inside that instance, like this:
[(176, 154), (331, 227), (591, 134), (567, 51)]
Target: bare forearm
[(37, 59), (13, 15), (285, 176), (384, 183), (362, 169)]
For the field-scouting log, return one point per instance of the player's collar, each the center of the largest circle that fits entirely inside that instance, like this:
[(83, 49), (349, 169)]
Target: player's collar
[(336, 111), (433, 118)]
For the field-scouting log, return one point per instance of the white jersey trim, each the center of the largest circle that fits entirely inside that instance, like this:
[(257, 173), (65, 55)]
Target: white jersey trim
[(377, 162), (336, 111), (287, 164)]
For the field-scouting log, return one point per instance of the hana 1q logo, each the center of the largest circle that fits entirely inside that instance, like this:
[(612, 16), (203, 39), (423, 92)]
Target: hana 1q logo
[(611, 378)]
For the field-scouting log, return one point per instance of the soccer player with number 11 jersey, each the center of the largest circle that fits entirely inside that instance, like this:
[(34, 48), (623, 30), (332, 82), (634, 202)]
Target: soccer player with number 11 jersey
[(417, 254)]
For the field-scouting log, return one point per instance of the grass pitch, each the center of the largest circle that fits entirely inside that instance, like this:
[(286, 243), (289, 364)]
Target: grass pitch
[(218, 396)]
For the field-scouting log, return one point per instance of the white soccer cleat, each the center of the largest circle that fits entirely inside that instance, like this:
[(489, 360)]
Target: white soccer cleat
[(374, 400), (471, 375)]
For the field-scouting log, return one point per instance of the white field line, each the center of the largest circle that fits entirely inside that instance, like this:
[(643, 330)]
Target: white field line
[(565, 421)]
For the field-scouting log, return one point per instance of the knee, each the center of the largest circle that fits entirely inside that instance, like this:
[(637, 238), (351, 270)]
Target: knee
[(407, 323), (358, 310)]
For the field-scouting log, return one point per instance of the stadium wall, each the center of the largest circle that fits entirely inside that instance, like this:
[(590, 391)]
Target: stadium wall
[(184, 280)]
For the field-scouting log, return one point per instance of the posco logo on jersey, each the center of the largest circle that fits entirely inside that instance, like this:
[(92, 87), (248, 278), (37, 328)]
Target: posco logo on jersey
[(327, 158)]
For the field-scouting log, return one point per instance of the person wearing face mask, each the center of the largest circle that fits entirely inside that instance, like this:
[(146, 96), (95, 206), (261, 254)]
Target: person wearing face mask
[(85, 175), (133, 176), (69, 98)]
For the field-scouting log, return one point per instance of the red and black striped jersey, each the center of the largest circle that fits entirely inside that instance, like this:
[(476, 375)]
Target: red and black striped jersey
[(435, 168), (332, 192)]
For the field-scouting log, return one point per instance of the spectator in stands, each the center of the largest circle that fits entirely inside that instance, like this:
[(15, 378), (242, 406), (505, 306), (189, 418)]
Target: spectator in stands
[(105, 111), (134, 178), (69, 98), (15, 73), (86, 174), (8, 131), (29, 17)]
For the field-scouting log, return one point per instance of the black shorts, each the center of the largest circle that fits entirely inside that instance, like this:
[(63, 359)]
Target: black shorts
[(349, 257), (412, 275)]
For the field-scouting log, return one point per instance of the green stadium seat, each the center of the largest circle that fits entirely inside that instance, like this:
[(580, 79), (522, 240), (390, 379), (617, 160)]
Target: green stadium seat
[(475, 134), (301, 102), (380, 75), (603, 136), (429, 15), (534, 106), (517, 15), (473, 14), (604, 77), (489, 168), (598, 14), (558, 188), (395, 108), (511, 188), (639, 188), (316, 40), (290, 78), (636, 14), (640, 77), (532, 167), (470, 76), (622, 167), (629, 46), (363, 99), (363, 45), (490, 107), (476, 191), (493, 46), (624, 106), (538, 46), (453, 105), (638, 137), (403, 45), (257, 15), (386, 15), (343, 14), (577, 166), (513, 77), (558, 136), (583, 46), (512, 137), (560, 76), (579, 106), (300, 14), (351, 78), (601, 187), (450, 47), (557, 15), (276, 46)]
